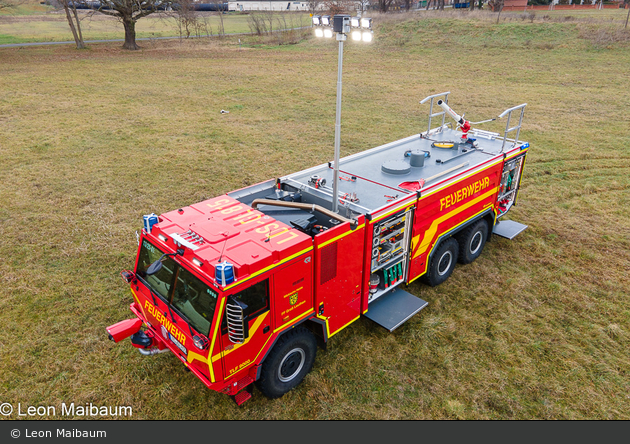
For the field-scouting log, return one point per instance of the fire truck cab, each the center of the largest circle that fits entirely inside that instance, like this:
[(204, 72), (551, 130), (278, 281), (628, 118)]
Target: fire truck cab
[(243, 287)]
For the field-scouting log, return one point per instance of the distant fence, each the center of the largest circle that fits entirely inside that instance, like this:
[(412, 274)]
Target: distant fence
[(162, 7), (560, 7)]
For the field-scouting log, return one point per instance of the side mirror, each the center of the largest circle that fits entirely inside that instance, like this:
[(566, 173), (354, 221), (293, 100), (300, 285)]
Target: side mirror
[(154, 267), (157, 265), (238, 330), (128, 276)]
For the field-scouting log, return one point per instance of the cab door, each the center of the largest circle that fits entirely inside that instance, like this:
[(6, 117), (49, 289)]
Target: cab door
[(293, 292), (254, 299)]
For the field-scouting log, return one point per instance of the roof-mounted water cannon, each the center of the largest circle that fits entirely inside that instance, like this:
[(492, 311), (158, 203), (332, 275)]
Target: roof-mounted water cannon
[(461, 123)]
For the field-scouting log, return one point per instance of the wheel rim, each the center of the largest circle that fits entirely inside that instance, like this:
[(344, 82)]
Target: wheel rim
[(475, 242), (291, 365), (445, 263)]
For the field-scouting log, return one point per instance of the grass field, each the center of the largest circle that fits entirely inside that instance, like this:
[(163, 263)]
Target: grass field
[(37, 23), (536, 328)]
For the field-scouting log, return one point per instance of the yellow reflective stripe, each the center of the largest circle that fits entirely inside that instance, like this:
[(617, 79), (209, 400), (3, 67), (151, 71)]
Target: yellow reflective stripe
[(339, 237), (430, 233), (520, 178), (310, 310), (252, 332), (325, 319), (330, 335), (408, 204), (258, 273), (516, 154), (262, 348), (192, 356), (463, 222), (214, 337), (422, 196)]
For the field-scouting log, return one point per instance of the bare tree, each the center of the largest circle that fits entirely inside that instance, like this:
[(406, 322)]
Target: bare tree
[(383, 5), (407, 4), (10, 3), (268, 17), (73, 21), (129, 12), (219, 7), (313, 6), (338, 6), (363, 4), (627, 5), (256, 23), (185, 17), (437, 4), (496, 6)]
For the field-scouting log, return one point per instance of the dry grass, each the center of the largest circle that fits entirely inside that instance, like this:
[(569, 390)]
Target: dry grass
[(536, 328), (53, 27)]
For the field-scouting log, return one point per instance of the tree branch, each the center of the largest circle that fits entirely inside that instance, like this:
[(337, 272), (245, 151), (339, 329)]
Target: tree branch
[(107, 12), (144, 14)]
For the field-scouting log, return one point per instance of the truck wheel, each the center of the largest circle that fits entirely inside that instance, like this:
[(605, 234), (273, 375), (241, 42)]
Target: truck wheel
[(472, 241), (288, 363), (442, 262)]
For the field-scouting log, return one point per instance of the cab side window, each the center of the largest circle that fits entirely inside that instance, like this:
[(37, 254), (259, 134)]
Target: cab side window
[(256, 298)]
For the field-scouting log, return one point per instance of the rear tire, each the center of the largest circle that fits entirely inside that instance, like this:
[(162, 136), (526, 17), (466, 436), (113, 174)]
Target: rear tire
[(288, 363), (442, 262), (472, 241)]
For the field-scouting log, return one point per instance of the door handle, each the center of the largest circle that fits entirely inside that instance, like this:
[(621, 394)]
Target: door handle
[(266, 329)]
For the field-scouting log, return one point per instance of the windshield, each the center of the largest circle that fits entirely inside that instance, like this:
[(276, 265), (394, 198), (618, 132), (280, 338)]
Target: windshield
[(162, 280), (186, 293)]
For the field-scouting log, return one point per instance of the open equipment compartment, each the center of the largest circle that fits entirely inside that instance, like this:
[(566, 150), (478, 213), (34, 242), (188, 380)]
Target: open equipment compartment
[(390, 253)]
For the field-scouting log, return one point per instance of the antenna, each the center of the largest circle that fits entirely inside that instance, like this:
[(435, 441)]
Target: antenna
[(271, 231), (226, 234)]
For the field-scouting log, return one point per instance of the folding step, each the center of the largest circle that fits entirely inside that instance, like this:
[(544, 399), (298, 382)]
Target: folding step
[(394, 308), (241, 397), (508, 229)]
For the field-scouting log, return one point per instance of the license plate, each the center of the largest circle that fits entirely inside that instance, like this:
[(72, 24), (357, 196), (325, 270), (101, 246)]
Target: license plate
[(178, 344)]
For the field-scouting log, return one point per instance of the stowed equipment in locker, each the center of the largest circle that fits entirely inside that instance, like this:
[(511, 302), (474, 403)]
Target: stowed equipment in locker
[(510, 179), (390, 248)]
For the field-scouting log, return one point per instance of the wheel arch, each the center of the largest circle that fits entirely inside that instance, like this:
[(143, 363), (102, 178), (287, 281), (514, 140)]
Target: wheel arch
[(487, 215), (311, 323)]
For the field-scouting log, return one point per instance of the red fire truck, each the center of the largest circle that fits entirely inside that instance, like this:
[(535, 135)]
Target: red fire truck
[(242, 288)]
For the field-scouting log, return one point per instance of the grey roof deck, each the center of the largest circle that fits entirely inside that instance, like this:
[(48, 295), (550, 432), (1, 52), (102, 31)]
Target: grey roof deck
[(373, 186)]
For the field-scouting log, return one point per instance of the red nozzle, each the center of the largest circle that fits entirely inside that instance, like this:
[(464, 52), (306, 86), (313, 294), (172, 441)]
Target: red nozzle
[(123, 329)]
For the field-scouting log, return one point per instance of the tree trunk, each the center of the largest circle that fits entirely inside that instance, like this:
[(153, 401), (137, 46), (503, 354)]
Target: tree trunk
[(77, 40), (80, 44), (130, 35)]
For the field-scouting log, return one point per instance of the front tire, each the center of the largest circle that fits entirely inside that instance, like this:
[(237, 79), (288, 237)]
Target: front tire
[(472, 241), (288, 363), (442, 262)]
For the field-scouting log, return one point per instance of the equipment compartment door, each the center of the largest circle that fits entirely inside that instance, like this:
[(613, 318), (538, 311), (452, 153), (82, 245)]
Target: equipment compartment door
[(510, 183), (389, 253), (338, 275)]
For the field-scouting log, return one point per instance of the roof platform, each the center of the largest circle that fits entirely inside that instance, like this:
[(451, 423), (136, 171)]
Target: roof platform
[(371, 179)]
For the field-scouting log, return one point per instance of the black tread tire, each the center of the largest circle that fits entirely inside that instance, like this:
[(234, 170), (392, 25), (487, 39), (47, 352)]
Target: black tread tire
[(468, 251), (433, 276), (288, 346)]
